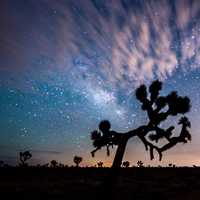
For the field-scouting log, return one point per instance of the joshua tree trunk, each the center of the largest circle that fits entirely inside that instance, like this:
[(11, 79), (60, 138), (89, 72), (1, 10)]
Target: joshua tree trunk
[(120, 153), (122, 147), (112, 178)]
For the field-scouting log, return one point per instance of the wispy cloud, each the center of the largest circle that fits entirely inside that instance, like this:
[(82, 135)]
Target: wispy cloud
[(123, 42), (130, 47)]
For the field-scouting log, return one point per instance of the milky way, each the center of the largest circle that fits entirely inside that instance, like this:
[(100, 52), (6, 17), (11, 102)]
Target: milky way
[(65, 65)]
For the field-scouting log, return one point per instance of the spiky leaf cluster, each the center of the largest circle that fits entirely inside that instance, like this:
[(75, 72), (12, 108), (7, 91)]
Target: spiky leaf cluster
[(177, 104), (154, 89), (154, 103)]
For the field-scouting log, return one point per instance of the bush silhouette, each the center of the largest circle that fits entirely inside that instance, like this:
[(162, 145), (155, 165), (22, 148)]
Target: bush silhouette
[(158, 109), (126, 164), (23, 157), (54, 163), (100, 164), (170, 164), (140, 163), (77, 160), (61, 165)]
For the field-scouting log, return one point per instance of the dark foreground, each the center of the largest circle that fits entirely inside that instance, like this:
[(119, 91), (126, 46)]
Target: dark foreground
[(85, 183)]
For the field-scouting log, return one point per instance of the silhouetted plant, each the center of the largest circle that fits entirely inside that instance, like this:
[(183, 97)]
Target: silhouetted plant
[(24, 156), (158, 109), (54, 163), (77, 160), (100, 164), (61, 165), (126, 164), (46, 165), (140, 163), (170, 164)]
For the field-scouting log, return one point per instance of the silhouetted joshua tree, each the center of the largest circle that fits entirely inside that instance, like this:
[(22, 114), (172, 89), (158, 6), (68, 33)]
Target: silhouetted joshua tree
[(77, 160), (23, 157), (140, 163), (126, 164), (158, 109), (100, 164), (54, 163)]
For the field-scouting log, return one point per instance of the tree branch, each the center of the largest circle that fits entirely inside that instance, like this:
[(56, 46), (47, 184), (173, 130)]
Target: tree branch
[(149, 146)]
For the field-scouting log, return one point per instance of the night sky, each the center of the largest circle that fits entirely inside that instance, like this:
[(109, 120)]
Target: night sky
[(67, 64)]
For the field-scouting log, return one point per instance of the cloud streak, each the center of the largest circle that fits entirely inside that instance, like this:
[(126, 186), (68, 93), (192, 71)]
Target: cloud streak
[(130, 46), (125, 42)]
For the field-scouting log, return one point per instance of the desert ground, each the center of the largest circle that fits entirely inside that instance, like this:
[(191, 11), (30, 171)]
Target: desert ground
[(85, 183)]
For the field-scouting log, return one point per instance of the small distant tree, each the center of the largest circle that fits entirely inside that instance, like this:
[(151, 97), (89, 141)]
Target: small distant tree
[(126, 164), (170, 164), (54, 163), (140, 163), (77, 160), (23, 157), (100, 164), (61, 165)]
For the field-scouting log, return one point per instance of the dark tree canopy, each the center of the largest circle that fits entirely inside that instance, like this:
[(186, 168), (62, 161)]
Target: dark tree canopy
[(77, 160), (158, 109), (126, 164), (100, 164), (24, 156), (140, 163), (54, 163)]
